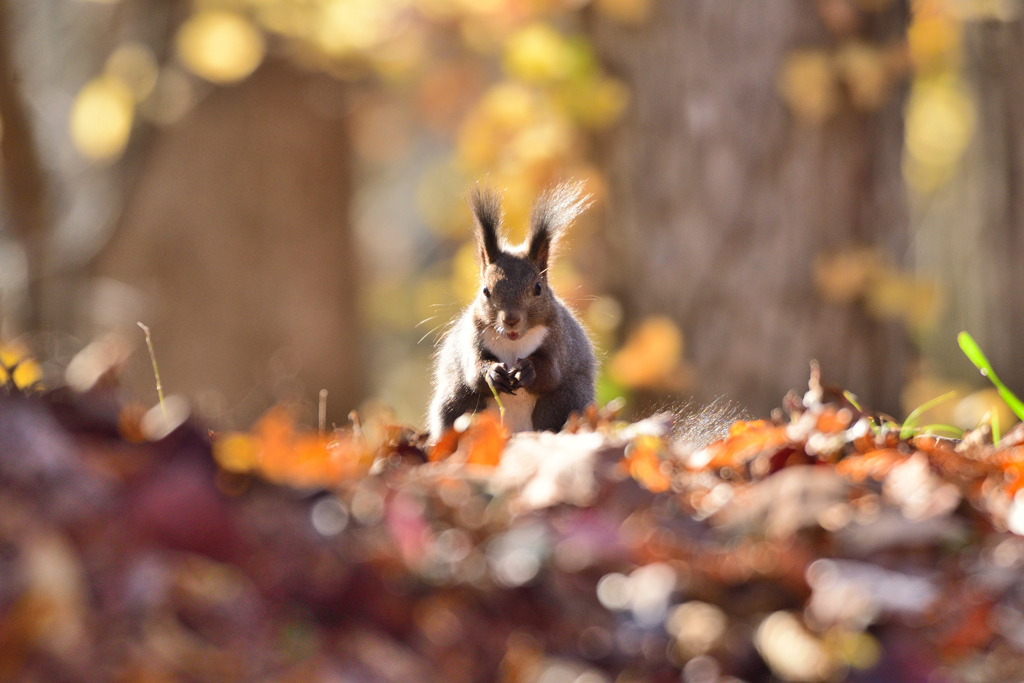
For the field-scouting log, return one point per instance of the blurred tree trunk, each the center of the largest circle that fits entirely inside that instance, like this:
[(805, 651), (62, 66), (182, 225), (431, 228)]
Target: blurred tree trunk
[(974, 226), (238, 234), (721, 200), (21, 176)]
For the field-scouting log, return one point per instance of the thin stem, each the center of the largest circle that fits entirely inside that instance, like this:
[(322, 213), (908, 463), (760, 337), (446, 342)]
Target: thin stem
[(156, 371), (497, 399), (323, 411)]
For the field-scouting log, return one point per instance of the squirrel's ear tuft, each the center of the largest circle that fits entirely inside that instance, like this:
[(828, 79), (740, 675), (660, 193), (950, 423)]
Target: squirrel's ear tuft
[(553, 212), (486, 206)]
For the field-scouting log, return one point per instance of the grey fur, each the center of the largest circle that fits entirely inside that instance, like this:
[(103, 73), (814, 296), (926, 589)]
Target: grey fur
[(564, 363)]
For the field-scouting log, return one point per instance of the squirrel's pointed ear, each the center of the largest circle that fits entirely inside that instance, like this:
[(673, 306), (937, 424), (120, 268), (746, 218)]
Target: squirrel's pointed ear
[(486, 206), (551, 214)]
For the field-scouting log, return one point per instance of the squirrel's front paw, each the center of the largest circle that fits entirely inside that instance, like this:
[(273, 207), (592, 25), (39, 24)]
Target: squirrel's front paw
[(523, 373), (501, 378)]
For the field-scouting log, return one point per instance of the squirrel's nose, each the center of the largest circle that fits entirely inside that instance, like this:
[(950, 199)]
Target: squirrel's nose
[(512, 320)]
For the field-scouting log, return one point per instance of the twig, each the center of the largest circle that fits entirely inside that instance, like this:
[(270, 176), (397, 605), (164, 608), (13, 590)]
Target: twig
[(156, 371), (323, 411)]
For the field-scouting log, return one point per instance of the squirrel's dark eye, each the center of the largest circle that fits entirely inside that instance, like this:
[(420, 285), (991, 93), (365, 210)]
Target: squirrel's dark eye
[(487, 293), (536, 289)]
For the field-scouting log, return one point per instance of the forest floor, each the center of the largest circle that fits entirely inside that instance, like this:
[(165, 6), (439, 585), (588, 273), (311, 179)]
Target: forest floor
[(823, 544)]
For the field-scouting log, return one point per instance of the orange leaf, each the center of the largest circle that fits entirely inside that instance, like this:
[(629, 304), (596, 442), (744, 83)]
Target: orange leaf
[(645, 466), (280, 451), (446, 445), (746, 440), (485, 440)]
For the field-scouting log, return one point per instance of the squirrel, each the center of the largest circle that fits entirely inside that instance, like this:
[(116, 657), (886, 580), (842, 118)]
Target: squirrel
[(517, 332)]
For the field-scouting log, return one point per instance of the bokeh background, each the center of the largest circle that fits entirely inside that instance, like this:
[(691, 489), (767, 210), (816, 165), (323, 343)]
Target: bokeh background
[(276, 188)]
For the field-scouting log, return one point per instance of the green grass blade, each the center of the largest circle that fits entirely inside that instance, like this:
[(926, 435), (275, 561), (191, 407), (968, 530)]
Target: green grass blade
[(997, 434), (977, 356), (955, 431), (907, 430), (1016, 405), (497, 398), (853, 400)]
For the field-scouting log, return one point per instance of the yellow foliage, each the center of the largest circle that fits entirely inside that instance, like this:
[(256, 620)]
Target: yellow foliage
[(27, 371), (538, 53), (135, 65), (236, 452), (939, 124), (504, 109), (101, 118), (485, 34), (808, 85), (289, 19), (466, 272), (345, 27), (401, 54), (864, 274), (545, 142), (597, 103), (865, 71), (844, 277), (220, 46), (914, 301)]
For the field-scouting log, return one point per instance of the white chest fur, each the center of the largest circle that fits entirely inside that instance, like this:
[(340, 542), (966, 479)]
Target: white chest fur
[(518, 406), (508, 351)]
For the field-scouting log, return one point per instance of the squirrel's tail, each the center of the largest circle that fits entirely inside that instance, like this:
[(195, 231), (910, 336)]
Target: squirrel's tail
[(696, 426)]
